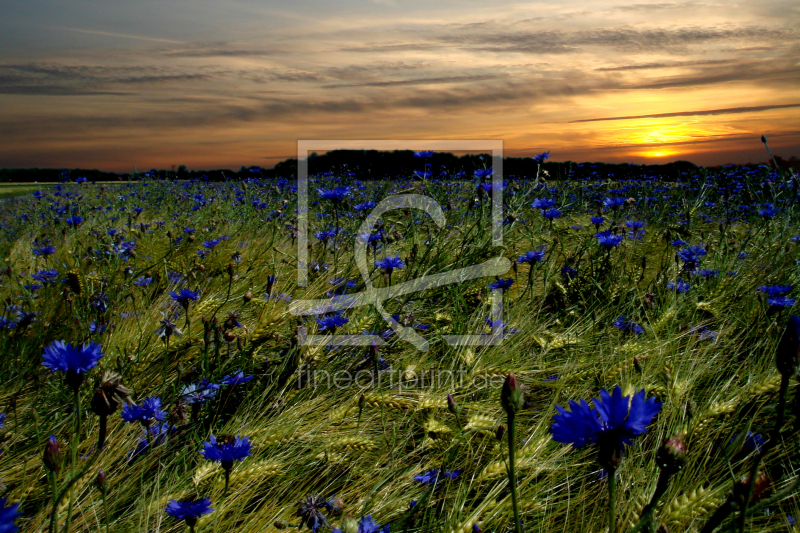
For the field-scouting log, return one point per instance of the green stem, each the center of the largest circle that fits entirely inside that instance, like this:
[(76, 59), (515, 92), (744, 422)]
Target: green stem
[(773, 441), (512, 473), (52, 478), (612, 492), (105, 508), (646, 520), (75, 441)]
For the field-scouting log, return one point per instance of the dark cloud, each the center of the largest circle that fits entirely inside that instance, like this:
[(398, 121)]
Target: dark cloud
[(39, 90), (490, 37), (397, 47), (666, 64), (626, 40), (726, 111), (416, 81)]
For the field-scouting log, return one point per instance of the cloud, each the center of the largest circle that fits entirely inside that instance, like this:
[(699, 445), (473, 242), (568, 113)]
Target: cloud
[(82, 80), (416, 81), (120, 35), (726, 111), (626, 40), (670, 64)]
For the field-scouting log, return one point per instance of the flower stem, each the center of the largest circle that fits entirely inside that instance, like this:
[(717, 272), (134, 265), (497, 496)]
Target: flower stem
[(773, 441), (512, 474), (101, 434), (52, 478), (645, 522), (612, 492), (76, 439), (105, 507)]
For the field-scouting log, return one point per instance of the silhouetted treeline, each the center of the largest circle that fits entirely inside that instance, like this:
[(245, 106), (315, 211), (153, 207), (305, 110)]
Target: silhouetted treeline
[(378, 165)]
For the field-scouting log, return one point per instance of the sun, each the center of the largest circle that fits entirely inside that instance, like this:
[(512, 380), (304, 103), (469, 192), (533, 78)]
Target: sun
[(661, 152)]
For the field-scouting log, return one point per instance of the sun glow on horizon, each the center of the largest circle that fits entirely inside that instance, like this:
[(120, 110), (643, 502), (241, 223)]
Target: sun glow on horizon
[(658, 153)]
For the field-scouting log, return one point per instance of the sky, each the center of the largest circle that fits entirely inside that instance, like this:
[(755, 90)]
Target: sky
[(223, 83)]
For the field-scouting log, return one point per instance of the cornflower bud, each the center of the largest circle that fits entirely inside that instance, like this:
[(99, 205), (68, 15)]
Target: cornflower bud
[(52, 455), (511, 396), (100, 481), (672, 455)]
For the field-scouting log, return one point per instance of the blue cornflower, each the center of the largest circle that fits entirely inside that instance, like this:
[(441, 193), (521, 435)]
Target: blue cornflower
[(423, 154), (94, 327), (149, 410), (541, 157), (613, 202), (753, 441), (552, 214), (336, 195), (389, 264), (691, 255), (597, 221), (211, 244), (65, 357), (99, 302), (310, 511), (543, 203), (636, 229), (435, 475), (609, 423), (767, 213), (366, 206), (708, 273), (226, 450), (703, 333), (680, 287), (44, 250), (184, 297), (8, 513), (567, 272), (325, 235), (780, 301), (46, 276), (368, 525), (155, 435), (500, 326), (143, 281), (236, 379), (776, 290), (608, 239), (2, 420), (677, 243), (626, 326), (200, 392), (189, 510), (502, 284), (74, 221), (533, 256), (332, 322)]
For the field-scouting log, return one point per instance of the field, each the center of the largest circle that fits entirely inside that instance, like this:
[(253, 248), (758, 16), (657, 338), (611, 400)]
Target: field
[(10, 190), (683, 289)]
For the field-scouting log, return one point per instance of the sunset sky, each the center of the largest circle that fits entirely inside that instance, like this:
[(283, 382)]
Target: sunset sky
[(223, 83)]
